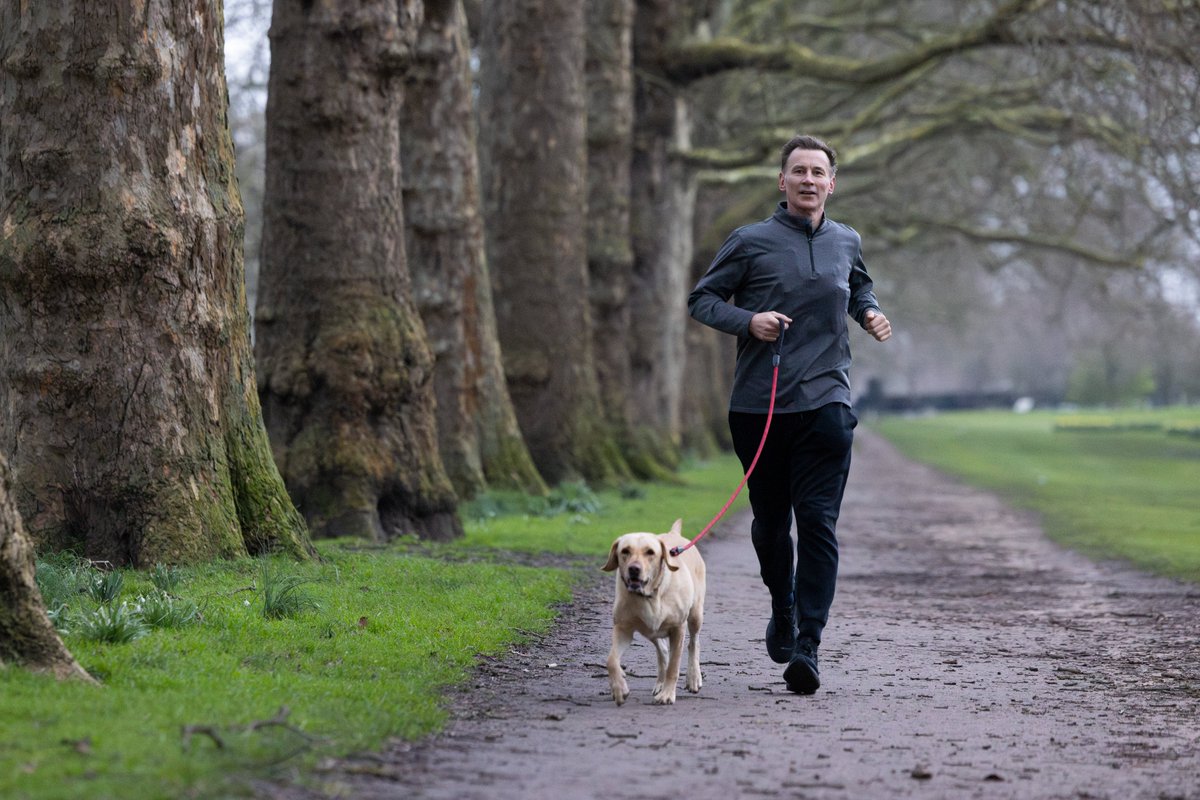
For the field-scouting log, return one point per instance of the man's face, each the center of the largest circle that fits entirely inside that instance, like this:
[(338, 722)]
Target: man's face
[(806, 181)]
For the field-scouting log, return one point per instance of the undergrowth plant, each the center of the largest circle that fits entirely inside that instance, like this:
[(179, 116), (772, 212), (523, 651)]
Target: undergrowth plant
[(110, 623), (282, 595), (105, 587), (160, 610), (165, 579), (571, 497), (59, 579)]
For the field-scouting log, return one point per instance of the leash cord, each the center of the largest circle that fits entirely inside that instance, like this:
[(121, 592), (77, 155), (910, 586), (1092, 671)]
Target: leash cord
[(762, 442)]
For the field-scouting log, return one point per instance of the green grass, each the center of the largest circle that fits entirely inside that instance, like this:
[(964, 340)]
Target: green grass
[(1114, 485), (700, 494), (389, 631)]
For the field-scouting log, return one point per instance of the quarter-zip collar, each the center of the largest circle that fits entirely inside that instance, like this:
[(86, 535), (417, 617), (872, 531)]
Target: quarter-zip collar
[(801, 224), (804, 226)]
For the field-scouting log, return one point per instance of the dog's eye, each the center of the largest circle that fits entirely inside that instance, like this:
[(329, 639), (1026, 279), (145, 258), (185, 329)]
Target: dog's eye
[(626, 551), (650, 551)]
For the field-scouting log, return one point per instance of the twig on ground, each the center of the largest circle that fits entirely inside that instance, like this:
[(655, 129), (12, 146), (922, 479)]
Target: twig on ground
[(211, 731)]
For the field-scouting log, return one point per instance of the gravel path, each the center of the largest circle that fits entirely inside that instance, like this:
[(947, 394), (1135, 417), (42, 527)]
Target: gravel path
[(966, 657)]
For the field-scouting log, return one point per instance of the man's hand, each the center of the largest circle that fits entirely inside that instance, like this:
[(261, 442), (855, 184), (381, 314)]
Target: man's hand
[(877, 325), (765, 325)]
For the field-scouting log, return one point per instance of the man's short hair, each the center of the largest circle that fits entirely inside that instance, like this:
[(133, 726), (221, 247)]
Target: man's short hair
[(803, 142)]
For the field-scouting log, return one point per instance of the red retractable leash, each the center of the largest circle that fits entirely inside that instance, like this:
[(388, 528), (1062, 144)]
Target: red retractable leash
[(766, 428)]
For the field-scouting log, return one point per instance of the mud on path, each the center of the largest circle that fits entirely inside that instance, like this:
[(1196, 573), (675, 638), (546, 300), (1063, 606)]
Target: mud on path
[(966, 657)]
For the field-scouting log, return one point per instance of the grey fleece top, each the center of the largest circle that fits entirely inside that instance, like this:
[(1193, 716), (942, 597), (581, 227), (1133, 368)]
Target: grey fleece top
[(814, 277)]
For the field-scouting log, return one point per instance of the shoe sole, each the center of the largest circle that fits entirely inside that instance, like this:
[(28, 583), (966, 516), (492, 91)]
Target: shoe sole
[(801, 678)]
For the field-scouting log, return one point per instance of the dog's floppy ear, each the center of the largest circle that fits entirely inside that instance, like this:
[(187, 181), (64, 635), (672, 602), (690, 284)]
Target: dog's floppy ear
[(611, 564), (671, 561)]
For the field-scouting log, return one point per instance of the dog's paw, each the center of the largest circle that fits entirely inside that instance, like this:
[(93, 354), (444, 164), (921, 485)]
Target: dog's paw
[(620, 691), (665, 698), (694, 681)]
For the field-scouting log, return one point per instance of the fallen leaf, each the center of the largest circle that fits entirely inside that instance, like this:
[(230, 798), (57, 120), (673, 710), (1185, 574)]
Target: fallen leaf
[(82, 746)]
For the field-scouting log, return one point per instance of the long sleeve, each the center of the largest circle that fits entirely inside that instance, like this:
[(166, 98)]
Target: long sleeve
[(709, 301), (862, 291)]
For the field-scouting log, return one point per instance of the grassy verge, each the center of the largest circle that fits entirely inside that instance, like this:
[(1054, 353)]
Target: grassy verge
[(514, 523), (1113, 485), (358, 648)]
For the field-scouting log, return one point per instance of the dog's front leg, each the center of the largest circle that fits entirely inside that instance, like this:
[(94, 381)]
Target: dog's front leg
[(694, 680), (621, 640), (666, 695), (660, 650)]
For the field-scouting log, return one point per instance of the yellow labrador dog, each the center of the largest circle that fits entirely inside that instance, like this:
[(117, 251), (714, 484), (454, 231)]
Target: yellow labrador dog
[(657, 594)]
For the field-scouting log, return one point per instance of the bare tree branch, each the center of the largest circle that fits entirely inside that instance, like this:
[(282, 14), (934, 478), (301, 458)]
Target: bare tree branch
[(1036, 240), (1031, 122), (695, 60)]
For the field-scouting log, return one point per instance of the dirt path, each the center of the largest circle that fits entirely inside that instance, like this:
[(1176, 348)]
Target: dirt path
[(966, 657)]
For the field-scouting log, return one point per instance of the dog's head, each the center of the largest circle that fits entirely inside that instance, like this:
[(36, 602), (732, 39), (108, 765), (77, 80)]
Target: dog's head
[(643, 559)]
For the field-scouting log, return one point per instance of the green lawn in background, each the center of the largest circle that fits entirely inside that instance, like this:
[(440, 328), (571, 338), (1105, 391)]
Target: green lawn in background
[(1123, 485), (394, 629)]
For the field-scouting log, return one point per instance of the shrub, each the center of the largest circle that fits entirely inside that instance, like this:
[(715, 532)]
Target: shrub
[(112, 624), (160, 610), (58, 578), (281, 594), (165, 578), (104, 587)]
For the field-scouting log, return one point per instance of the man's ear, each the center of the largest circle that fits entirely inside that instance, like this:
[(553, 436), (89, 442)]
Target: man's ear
[(611, 564)]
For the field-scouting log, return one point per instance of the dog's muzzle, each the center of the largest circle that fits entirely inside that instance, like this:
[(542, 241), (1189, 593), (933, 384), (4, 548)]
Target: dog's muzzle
[(634, 583)]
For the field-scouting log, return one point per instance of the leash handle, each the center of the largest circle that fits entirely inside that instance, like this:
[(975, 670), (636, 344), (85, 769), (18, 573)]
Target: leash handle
[(778, 349)]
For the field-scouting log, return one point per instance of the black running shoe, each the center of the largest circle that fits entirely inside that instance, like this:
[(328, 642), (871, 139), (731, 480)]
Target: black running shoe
[(781, 635), (801, 674)]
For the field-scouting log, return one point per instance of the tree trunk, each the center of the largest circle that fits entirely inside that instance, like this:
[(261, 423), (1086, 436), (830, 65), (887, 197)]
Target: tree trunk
[(709, 359), (345, 370), (130, 410), (26, 634), (478, 434), (610, 252), (664, 196), (705, 413), (534, 163)]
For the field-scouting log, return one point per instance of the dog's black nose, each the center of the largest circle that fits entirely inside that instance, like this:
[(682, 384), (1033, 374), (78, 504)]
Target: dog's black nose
[(634, 571)]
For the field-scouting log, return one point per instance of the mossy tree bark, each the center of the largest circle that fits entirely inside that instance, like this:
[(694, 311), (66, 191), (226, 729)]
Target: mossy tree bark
[(710, 354), (664, 197), (479, 438), (26, 634), (610, 250), (533, 149), (130, 411), (345, 369)]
